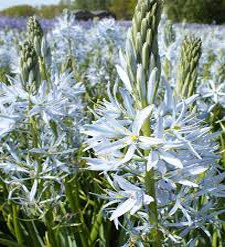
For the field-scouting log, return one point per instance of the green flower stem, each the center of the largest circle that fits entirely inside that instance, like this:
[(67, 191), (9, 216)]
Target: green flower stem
[(34, 128), (49, 217), (222, 142), (16, 224), (214, 239), (150, 187), (34, 131), (155, 235), (49, 222), (43, 70), (222, 147), (122, 234), (8, 216), (96, 227), (167, 69), (72, 194), (34, 234)]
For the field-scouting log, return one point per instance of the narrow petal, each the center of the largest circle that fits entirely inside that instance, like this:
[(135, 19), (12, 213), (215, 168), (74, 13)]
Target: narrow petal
[(123, 208), (140, 119), (124, 77), (172, 160)]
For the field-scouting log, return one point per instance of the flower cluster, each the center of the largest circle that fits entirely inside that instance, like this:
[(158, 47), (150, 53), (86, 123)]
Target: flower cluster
[(156, 150), (144, 110)]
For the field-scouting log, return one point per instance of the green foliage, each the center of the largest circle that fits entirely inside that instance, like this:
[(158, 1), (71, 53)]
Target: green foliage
[(3, 74), (123, 9), (46, 11), (198, 11), (20, 10), (91, 5), (51, 11)]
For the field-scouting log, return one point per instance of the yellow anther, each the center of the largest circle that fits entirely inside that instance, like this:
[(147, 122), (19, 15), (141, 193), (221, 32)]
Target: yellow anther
[(176, 127), (134, 137)]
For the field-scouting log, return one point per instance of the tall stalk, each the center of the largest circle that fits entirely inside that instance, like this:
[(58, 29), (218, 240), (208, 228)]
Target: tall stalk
[(16, 224), (72, 194), (143, 67)]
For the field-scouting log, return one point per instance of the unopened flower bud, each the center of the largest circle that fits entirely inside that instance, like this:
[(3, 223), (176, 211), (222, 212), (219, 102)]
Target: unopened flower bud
[(35, 34), (29, 66)]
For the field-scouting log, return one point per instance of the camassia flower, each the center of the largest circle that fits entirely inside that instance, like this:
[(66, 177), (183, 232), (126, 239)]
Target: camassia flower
[(48, 122), (30, 183), (213, 91), (180, 149), (130, 197), (116, 141), (110, 136)]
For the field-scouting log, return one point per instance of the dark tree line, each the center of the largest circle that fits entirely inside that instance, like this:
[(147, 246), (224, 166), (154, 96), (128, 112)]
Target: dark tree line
[(123, 9), (198, 11), (91, 4)]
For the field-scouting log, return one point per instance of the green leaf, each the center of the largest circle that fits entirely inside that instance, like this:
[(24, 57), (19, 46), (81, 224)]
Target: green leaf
[(10, 243)]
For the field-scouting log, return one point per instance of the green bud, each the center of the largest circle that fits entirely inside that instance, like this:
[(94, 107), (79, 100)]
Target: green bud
[(138, 46), (145, 56), (46, 51), (154, 9), (144, 28), (35, 33), (149, 37), (29, 67), (141, 85), (187, 71), (143, 37)]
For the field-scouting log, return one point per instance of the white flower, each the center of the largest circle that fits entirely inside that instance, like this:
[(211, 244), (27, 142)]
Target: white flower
[(130, 197), (110, 136), (213, 91)]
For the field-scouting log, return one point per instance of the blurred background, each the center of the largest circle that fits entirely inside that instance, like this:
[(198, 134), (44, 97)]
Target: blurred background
[(193, 11)]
